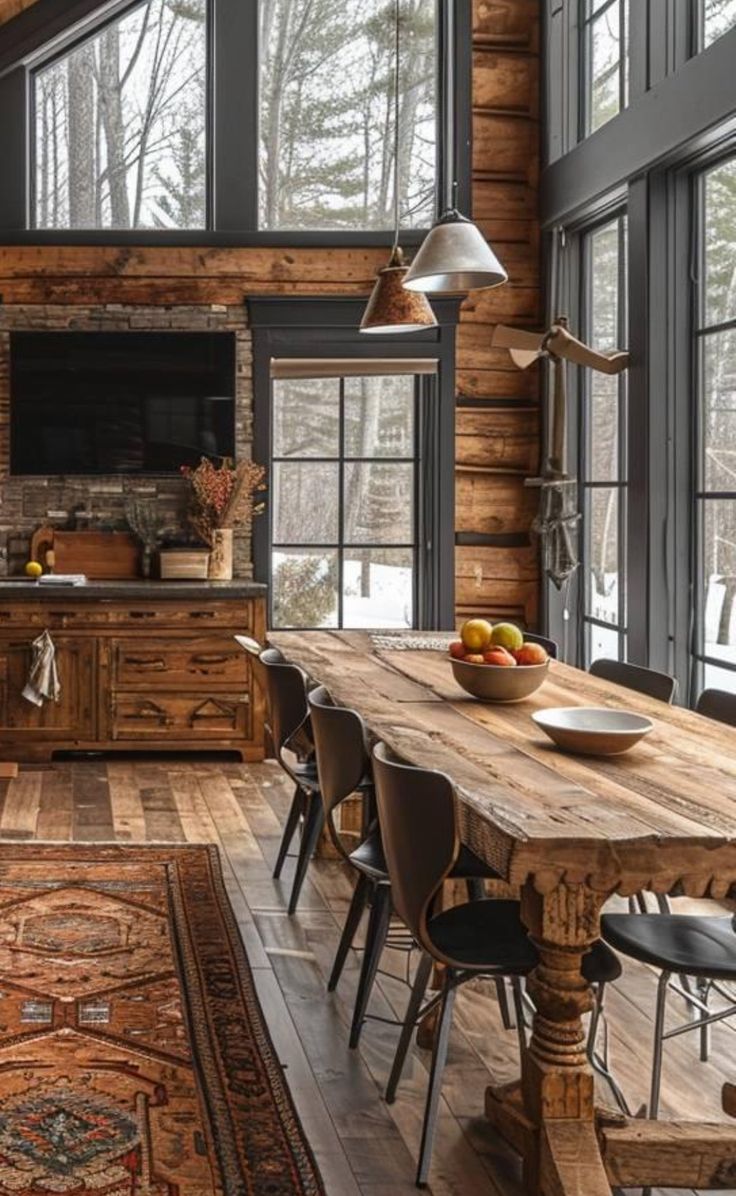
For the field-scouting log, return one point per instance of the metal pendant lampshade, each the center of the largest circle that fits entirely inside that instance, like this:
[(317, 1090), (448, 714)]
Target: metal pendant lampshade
[(453, 258), (391, 308)]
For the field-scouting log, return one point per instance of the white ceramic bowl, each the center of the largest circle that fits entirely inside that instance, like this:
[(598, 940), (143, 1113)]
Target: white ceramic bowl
[(593, 731)]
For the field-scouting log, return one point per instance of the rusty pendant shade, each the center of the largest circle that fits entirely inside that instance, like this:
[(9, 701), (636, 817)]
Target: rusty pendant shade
[(454, 257), (391, 308)]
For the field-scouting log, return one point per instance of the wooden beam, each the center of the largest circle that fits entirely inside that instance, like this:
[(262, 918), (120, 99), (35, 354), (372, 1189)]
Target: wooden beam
[(670, 1154)]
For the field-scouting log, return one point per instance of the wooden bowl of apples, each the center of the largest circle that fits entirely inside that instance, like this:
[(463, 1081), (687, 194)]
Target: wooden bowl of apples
[(495, 664)]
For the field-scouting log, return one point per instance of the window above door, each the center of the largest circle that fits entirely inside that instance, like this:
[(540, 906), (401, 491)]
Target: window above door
[(251, 122)]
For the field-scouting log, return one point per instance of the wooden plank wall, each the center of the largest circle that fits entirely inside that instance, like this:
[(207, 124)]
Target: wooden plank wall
[(497, 409), (498, 425)]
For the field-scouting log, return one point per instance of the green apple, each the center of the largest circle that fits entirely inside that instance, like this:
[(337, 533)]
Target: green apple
[(508, 636)]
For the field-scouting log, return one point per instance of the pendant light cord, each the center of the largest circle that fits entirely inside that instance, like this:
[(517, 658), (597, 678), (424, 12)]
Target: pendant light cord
[(397, 81)]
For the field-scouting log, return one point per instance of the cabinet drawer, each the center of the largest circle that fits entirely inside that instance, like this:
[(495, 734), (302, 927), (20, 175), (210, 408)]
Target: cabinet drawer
[(197, 616), (194, 716), (168, 663)]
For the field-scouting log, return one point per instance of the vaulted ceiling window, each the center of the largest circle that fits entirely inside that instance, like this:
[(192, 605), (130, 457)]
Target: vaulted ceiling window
[(605, 56), (259, 119), (326, 128), (120, 124)]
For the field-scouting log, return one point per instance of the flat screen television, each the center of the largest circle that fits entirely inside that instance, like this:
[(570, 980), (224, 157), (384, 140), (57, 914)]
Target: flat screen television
[(120, 402)]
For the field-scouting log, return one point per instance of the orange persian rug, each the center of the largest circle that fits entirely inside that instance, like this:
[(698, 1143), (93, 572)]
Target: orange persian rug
[(134, 1057)]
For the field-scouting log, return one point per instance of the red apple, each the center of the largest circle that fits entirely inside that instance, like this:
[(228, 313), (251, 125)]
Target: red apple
[(499, 656), (457, 650), (532, 654)]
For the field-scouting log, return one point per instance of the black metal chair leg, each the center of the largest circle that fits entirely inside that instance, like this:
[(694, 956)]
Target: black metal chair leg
[(295, 813), (378, 925), (503, 1003), (358, 903), (476, 888), (439, 1057), (421, 980), (314, 819)]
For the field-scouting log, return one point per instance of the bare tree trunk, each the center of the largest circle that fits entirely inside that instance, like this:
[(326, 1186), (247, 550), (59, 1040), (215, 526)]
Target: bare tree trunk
[(81, 104), (114, 125)]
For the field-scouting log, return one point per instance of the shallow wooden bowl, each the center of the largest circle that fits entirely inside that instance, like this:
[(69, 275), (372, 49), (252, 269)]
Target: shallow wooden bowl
[(498, 683), (593, 731)]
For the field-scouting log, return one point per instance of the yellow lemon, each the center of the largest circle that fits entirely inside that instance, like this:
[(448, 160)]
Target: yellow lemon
[(476, 634), (33, 569)]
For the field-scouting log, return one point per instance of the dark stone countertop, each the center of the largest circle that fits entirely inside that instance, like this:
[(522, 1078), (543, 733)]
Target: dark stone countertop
[(20, 589)]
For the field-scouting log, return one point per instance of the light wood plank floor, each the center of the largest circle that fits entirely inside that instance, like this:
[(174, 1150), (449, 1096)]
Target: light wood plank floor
[(364, 1148)]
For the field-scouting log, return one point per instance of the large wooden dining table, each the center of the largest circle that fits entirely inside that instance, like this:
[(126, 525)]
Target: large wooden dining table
[(568, 831)]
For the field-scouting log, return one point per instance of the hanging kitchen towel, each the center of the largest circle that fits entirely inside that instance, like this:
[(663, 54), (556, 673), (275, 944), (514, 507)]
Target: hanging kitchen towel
[(43, 679)]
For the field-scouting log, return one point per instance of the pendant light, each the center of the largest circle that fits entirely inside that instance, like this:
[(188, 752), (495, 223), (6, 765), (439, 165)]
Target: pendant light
[(454, 256), (391, 308)]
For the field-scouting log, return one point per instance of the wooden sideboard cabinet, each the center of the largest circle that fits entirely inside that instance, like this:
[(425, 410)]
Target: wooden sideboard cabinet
[(143, 665)]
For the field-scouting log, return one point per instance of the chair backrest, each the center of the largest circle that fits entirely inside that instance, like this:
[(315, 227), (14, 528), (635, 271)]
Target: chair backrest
[(287, 703), (418, 820), (635, 676), (718, 704), (550, 646), (340, 747)]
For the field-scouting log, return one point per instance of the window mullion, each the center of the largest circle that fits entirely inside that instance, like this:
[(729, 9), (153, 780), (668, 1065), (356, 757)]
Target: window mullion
[(234, 114)]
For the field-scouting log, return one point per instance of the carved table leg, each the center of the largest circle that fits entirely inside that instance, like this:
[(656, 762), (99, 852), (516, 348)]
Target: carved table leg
[(562, 1156)]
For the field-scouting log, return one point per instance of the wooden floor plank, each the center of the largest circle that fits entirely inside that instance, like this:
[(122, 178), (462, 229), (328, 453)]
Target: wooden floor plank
[(363, 1147)]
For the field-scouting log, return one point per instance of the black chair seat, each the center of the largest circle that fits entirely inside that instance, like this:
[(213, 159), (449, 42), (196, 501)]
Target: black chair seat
[(681, 943), (601, 965), (303, 774), (486, 936), (370, 859)]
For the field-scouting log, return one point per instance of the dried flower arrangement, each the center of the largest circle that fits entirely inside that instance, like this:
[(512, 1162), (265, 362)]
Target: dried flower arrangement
[(223, 496)]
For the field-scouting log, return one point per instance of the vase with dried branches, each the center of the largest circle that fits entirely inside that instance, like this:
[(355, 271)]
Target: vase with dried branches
[(222, 498)]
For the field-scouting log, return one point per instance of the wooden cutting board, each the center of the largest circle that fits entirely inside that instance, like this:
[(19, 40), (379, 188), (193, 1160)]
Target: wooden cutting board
[(101, 556)]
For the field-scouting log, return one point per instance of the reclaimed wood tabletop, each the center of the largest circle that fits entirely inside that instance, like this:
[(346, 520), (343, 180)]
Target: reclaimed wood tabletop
[(569, 831)]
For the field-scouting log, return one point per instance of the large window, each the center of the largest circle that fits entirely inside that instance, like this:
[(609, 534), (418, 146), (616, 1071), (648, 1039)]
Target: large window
[(605, 58), (716, 18), (119, 128), (603, 448), (344, 498), (242, 117), (326, 120), (716, 464)]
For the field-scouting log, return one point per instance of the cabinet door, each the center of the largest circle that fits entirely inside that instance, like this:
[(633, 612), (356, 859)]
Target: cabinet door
[(72, 717)]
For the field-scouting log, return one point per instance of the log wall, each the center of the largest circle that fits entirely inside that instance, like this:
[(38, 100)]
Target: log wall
[(497, 405)]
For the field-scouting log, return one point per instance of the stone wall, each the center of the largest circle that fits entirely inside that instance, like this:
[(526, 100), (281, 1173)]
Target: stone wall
[(99, 502)]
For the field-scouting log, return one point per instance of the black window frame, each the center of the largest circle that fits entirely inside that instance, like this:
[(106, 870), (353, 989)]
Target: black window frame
[(680, 120), (423, 400), (588, 19), (233, 141), (324, 328)]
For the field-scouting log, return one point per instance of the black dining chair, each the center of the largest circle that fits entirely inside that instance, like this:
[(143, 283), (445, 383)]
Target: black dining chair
[(291, 733), (634, 676), (702, 948), (718, 704), (417, 810), (344, 768), (550, 646)]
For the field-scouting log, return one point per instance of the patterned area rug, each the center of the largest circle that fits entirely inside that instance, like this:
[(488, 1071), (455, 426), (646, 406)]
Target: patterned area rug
[(134, 1057)]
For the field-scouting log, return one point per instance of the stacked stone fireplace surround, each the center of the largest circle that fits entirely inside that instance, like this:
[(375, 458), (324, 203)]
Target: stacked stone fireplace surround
[(98, 502)]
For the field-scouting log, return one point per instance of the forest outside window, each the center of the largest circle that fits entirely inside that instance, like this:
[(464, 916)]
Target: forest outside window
[(605, 59), (344, 500), (130, 125), (120, 123), (603, 424), (715, 497), (326, 114)]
